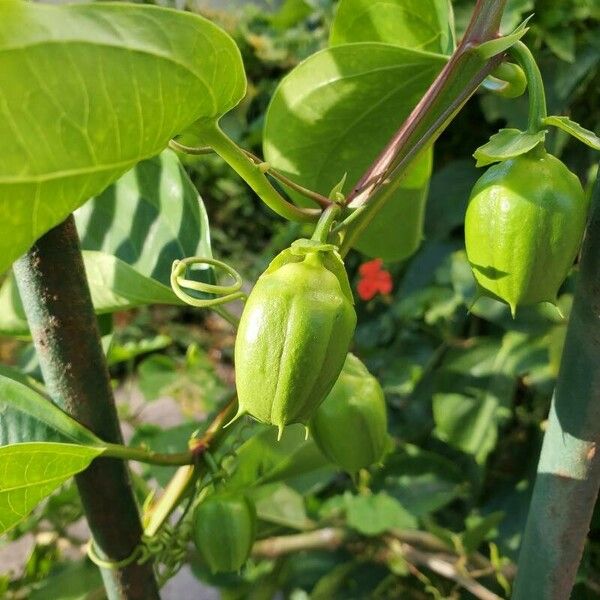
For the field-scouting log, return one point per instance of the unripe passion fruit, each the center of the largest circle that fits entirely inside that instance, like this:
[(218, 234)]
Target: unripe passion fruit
[(350, 426), (524, 225), (294, 334), (224, 531)]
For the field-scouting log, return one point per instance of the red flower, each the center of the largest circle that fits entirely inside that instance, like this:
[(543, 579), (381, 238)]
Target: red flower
[(373, 280)]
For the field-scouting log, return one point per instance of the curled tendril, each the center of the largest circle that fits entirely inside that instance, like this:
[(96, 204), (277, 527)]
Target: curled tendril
[(222, 293), (168, 548)]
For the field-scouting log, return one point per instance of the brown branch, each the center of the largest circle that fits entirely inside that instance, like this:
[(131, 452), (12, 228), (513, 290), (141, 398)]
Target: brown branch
[(329, 538), (441, 561), (441, 566)]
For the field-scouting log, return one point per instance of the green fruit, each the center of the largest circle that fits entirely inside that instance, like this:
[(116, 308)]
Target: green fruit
[(224, 530), (524, 225), (294, 334), (350, 427)]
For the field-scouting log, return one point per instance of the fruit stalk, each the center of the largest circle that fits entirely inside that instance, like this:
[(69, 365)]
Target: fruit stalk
[(57, 302), (568, 476)]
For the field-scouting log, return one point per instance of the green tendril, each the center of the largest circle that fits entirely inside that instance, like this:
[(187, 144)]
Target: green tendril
[(223, 293)]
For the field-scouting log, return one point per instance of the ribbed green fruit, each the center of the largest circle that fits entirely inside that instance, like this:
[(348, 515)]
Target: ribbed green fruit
[(224, 530), (524, 226), (350, 427), (294, 334)]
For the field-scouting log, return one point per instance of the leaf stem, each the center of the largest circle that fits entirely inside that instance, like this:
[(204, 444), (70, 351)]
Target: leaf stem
[(147, 456), (327, 219), (537, 97), (186, 476), (254, 175), (177, 459), (319, 199)]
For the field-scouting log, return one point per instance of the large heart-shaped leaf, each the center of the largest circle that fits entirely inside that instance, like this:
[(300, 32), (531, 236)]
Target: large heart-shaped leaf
[(131, 234), (31, 472), (150, 217), (418, 24), (89, 90), (335, 112), (25, 415)]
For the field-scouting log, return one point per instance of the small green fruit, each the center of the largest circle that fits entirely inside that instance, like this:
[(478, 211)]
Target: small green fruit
[(294, 334), (224, 531), (524, 225), (350, 427)]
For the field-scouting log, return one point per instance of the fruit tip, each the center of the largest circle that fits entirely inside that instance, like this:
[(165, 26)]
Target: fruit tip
[(240, 413)]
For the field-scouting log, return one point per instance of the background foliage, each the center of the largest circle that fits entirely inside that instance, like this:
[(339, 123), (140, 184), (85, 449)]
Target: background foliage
[(467, 387)]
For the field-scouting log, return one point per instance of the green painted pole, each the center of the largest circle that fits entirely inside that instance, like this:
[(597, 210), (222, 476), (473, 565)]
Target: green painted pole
[(568, 476), (52, 283)]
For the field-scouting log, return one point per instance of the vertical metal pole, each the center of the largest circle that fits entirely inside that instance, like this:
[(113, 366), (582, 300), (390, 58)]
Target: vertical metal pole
[(53, 286), (568, 476)]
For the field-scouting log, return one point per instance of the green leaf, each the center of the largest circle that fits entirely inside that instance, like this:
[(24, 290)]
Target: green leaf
[(131, 234), (150, 217), (108, 86), (335, 112), (26, 415), (291, 13), (280, 504), (126, 351), (562, 42), (476, 533), (156, 373), (416, 24), (74, 582), (577, 131), (507, 143), (423, 482), (263, 459), (496, 46), (448, 195), (376, 514), (475, 389), (31, 472)]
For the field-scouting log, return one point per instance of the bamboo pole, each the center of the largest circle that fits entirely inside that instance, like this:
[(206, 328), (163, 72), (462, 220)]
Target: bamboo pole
[(568, 476), (53, 286)]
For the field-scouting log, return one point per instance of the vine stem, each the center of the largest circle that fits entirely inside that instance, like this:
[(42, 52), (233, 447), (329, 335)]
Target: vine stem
[(568, 475), (535, 85), (253, 174), (52, 283), (456, 83)]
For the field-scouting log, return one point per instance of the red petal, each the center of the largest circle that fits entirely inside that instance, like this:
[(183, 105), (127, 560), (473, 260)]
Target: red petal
[(373, 267), (367, 289)]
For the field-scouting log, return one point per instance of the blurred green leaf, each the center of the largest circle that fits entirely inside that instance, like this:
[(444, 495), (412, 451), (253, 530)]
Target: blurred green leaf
[(377, 513), (279, 504), (480, 530), (263, 459), (422, 481), (73, 582)]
